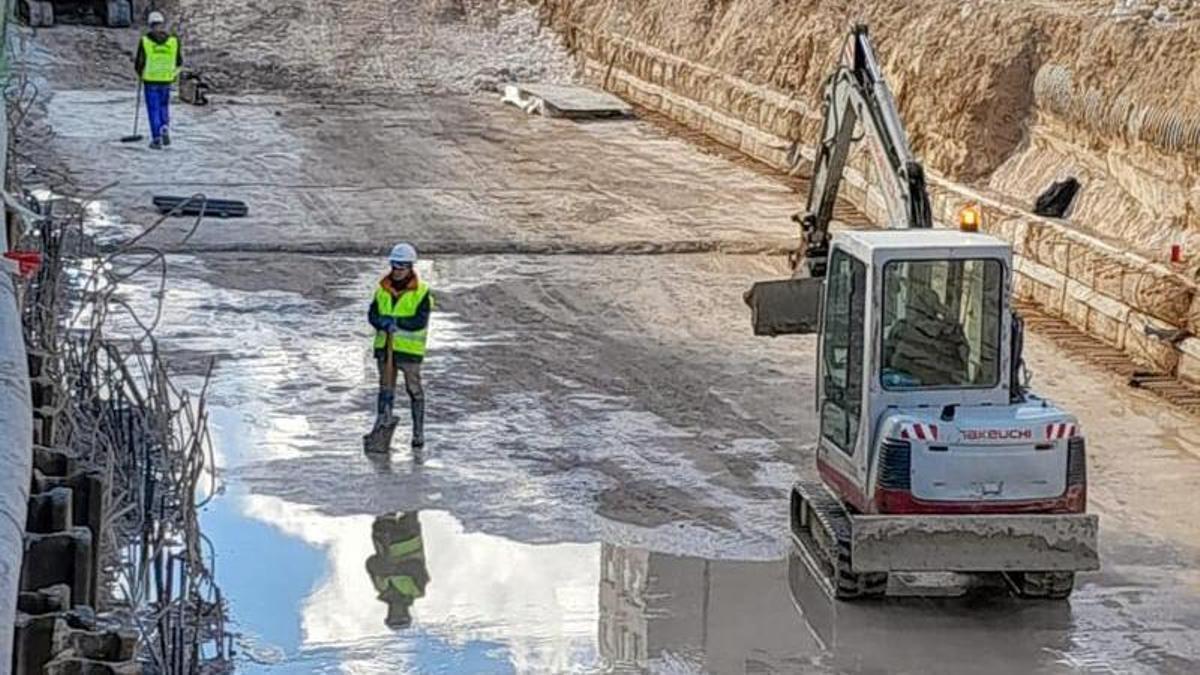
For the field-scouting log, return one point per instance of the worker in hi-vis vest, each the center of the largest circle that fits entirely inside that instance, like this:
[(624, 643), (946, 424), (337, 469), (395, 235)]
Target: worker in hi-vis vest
[(401, 308), (397, 567), (157, 61)]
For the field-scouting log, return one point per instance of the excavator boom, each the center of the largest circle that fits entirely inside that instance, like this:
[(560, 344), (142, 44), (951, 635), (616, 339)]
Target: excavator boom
[(857, 96)]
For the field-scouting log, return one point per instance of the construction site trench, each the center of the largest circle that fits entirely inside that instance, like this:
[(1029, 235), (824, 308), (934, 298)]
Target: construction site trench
[(610, 449)]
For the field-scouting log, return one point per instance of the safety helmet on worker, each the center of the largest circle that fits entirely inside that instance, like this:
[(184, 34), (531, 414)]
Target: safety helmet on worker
[(403, 254), (155, 18)]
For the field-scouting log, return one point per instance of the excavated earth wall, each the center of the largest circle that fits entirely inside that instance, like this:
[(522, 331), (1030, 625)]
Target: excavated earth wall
[(999, 98)]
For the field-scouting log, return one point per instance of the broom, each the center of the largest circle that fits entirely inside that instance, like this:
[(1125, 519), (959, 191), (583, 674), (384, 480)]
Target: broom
[(137, 110)]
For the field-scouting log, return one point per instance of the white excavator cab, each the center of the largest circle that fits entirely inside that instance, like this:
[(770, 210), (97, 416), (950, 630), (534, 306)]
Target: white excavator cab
[(910, 321)]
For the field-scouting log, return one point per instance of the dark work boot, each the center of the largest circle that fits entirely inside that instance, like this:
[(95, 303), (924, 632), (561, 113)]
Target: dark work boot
[(418, 422), (383, 406)]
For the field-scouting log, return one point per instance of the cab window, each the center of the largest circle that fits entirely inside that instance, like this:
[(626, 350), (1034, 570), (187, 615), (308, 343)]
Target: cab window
[(842, 350), (941, 323)]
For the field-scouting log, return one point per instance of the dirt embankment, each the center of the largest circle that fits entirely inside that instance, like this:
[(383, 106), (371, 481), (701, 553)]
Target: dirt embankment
[(336, 49), (1001, 95)]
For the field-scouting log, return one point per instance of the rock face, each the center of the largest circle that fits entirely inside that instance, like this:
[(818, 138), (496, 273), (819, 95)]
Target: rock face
[(1000, 95), (338, 49)]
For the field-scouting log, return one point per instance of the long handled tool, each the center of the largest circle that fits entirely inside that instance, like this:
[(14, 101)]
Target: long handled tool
[(380, 437), (137, 111)]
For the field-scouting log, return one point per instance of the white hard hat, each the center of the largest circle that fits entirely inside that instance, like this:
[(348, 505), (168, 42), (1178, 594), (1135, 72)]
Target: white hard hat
[(403, 253), (155, 17)]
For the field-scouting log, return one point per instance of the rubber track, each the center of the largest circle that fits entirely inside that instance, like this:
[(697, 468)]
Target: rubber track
[(833, 519), (1043, 585)]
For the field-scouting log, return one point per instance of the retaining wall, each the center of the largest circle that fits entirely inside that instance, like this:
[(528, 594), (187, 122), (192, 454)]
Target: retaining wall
[(1109, 293)]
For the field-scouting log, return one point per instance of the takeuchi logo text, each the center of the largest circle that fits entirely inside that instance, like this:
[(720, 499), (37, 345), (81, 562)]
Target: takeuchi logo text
[(997, 434)]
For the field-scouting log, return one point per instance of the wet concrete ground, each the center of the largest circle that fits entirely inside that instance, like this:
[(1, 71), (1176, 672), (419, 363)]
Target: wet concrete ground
[(605, 484)]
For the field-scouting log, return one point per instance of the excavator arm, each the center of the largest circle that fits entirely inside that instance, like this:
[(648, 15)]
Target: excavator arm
[(856, 97)]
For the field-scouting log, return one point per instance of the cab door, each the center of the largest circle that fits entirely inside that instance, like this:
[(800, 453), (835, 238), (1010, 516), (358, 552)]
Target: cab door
[(841, 359)]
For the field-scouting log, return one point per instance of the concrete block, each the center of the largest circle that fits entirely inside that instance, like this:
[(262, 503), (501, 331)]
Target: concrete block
[(1159, 295), (51, 462), (60, 558), (1108, 277), (110, 646), (43, 617), (1095, 314), (1189, 361), (46, 600), (643, 97), (1075, 312), (87, 510), (716, 128), (1106, 329), (1046, 285), (49, 511), (1159, 355), (33, 643), (1023, 287), (1081, 265), (1019, 236)]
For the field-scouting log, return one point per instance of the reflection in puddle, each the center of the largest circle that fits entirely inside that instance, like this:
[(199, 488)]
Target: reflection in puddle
[(414, 592), (666, 613), (402, 592), (397, 567)]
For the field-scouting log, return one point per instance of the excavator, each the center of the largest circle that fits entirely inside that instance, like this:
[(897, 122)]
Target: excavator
[(933, 455)]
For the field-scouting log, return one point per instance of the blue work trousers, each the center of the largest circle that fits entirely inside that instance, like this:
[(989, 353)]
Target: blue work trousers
[(158, 107)]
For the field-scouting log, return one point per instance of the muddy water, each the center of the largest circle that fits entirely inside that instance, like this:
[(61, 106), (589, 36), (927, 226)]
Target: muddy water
[(578, 514)]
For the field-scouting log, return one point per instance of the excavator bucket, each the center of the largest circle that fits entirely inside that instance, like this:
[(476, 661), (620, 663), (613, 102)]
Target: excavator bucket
[(788, 307)]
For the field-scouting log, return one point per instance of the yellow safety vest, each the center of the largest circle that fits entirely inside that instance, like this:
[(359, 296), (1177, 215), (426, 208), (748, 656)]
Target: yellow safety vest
[(403, 307), (161, 60), (397, 553)]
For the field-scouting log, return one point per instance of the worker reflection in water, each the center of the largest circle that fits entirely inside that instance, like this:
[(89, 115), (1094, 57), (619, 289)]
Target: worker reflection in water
[(928, 345), (398, 566), (401, 308), (157, 61)]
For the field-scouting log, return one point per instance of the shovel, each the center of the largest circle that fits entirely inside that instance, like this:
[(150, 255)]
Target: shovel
[(137, 111), (379, 440)]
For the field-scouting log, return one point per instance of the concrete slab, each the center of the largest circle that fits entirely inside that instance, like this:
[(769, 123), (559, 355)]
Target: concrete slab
[(570, 101)]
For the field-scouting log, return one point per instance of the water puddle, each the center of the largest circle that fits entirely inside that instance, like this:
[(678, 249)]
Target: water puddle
[(623, 535), (399, 592), (416, 591)]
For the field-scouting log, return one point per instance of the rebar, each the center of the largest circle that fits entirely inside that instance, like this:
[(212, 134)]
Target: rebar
[(104, 394)]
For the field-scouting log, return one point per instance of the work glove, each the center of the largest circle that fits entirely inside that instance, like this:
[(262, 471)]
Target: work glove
[(388, 325)]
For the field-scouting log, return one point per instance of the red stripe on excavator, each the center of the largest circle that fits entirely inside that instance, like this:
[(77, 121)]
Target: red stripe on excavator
[(1073, 500), (842, 487)]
